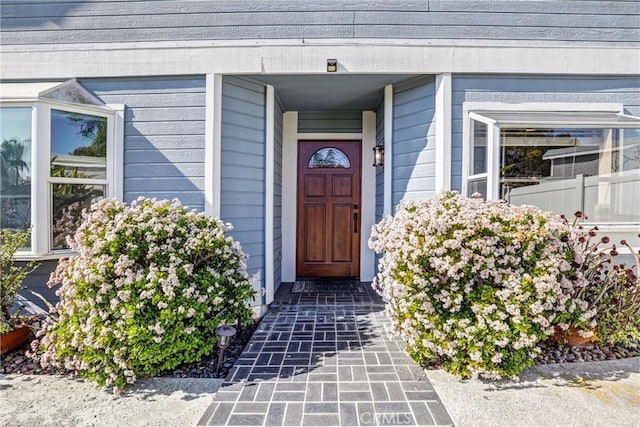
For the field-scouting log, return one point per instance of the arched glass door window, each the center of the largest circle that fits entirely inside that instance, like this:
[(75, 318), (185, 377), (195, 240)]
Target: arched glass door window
[(329, 157)]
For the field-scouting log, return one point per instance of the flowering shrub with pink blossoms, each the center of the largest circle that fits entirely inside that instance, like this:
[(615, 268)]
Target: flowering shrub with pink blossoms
[(149, 284), (476, 285)]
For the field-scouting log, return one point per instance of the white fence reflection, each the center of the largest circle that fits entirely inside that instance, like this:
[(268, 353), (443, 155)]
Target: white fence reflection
[(603, 198)]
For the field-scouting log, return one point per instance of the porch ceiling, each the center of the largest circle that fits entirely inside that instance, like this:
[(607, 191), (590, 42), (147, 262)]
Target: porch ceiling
[(319, 92)]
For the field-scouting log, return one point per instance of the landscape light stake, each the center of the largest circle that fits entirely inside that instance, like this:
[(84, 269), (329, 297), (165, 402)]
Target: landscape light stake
[(225, 333)]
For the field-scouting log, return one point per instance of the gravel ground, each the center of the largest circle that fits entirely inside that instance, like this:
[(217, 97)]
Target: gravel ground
[(590, 352), (17, 361)]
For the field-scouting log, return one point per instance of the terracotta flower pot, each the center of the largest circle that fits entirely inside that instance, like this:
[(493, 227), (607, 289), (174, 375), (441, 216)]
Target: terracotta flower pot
[(570, 337), (14, 339)]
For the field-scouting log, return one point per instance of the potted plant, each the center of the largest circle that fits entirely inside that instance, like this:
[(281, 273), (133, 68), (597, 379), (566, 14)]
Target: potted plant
[(612, 290), (14, 330)]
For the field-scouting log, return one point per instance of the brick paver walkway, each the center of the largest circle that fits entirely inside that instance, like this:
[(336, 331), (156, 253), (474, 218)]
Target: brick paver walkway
[(325, 360)]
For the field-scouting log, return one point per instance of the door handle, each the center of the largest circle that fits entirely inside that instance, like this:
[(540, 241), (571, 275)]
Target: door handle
[(355, 222)]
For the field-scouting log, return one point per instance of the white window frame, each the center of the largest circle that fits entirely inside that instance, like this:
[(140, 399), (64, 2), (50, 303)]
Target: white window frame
[(476, 110), (41, 197)]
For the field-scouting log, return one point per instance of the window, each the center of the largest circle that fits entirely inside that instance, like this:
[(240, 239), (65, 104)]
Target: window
[(60, 152), (15, 168), (566, 160), (329, 157), (78, 169), (477, 182)]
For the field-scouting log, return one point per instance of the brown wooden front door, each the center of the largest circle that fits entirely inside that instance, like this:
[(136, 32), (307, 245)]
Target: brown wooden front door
[(328, 218)]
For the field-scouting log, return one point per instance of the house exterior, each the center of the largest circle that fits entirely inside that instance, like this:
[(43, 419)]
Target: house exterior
[(266, 114)]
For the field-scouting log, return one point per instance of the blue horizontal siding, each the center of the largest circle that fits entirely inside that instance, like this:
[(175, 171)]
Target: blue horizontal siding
[(330, 121), (242, 201), (413, 140), (163, 135), (277, 193), (380, 169), (518, 89), (36, 281), (34, 22), (163, 142), (143, 157)]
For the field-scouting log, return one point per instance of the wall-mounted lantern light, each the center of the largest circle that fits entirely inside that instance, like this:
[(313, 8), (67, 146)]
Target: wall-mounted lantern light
[(332, 65), (378, 155)]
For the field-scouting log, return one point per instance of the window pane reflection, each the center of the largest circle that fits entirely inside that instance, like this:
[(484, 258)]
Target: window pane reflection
[(78, 145), (479, 150), (561, 170), (68, 201), (478, 186), (329, 157), (15, 168)]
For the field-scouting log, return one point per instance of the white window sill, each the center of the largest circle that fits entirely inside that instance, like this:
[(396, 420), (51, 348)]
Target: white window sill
[(47, 257)]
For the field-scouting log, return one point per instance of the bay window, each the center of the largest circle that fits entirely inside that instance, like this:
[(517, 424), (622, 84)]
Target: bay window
[(573, 158), (61, 151)]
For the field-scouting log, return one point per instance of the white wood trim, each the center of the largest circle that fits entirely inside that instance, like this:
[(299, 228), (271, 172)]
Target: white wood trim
[(443, 132), (290, 138), (368, 191), (289, 179), (269, 180), (87, 181), (97, 110), (40, 199), (480, 118), (25, 256), (466, 148), (116, 157), (309, 42), (423, 57), (613, 107), (213, 145), (348, 136), (27, 92), (493, 162), (388, 151)]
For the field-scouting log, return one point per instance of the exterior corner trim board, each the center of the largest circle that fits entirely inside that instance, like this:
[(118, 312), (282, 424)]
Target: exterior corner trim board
[(269, 180), (117, 162), (289, 162), (443, 132), (368, 184), (213, 145), (388, 151)]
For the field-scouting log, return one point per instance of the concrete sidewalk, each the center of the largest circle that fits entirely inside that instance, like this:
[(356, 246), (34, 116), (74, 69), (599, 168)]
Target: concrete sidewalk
[(569, 394), (49, 400)]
